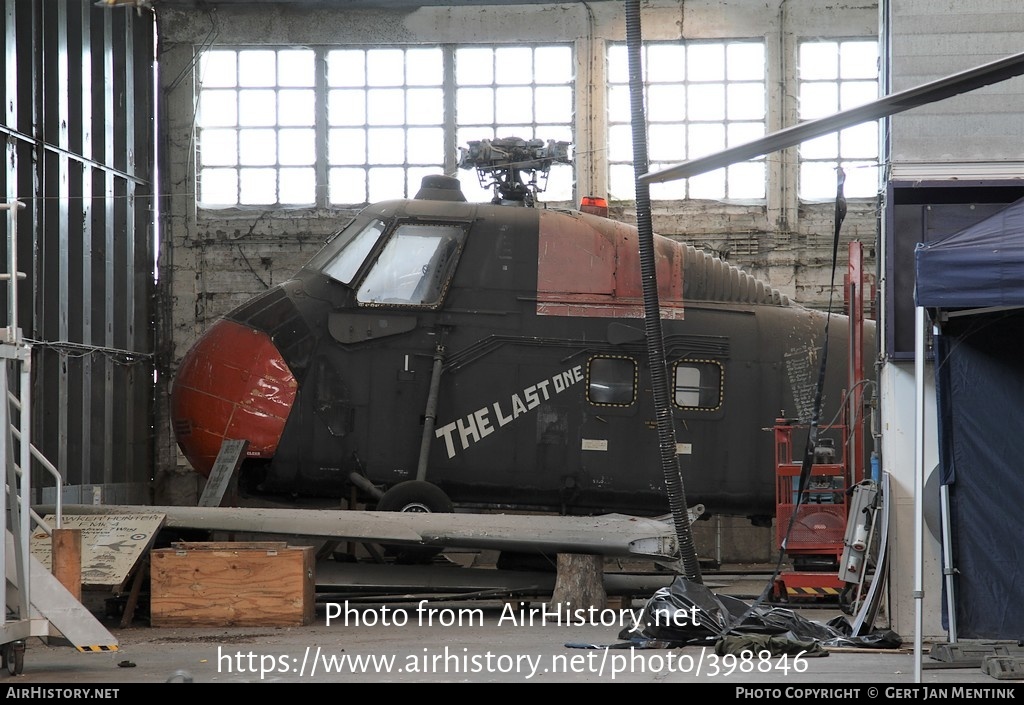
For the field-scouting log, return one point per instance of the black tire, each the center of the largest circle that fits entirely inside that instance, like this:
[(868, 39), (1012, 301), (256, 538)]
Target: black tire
[(415, 496), (14, 657)]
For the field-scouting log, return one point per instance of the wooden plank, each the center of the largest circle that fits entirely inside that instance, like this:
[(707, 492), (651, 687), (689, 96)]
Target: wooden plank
[(232, 587), (66, 548)]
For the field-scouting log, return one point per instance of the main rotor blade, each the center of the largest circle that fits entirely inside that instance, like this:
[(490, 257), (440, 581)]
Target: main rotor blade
[(948, 87)]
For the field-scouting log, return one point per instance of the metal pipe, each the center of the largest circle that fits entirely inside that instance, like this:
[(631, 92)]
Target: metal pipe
[(430, 413), (918, 490), (948, 568)]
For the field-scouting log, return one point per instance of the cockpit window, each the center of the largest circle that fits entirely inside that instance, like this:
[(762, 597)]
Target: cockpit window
[(414, 267), (344, 265)]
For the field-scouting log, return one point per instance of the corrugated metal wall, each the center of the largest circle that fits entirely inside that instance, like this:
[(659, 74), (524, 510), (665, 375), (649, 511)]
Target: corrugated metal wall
[(77, 122)]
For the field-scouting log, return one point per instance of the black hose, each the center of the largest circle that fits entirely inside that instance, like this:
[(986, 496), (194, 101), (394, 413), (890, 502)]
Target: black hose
[(652, 309)]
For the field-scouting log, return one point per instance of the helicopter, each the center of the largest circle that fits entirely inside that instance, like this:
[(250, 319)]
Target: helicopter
[(438, 355)]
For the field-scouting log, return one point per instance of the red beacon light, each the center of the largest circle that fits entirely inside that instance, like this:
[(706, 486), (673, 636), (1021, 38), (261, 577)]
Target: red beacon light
[(594, 205)]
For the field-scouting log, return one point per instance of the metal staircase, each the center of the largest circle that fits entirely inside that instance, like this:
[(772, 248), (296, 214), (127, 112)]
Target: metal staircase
[(37, 604)]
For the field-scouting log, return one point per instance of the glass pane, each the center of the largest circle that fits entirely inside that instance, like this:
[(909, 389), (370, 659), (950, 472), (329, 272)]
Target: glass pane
[(514, 105), (743, 132), (818, 100), (258, 186), (817, 180), (854, 93), (747, 180), (385, 106), (474, 66), (859, 142), (667, 142), (824, 147), (257, 147), (669, 190), (385, 146), (218, 148), (346, 147), (346, 67), (705, 139), (295, 67), (413, 267), (385, 183), (425, 146), (513, 65), (560, 181), (257, 67), (346, 107), (296, 147), (424, 106), (465, 135), (745, 101), (618, 64), (347, 186), (344, 265), (257, 108), (218, 109), (622, 182), (298, 186), (687, 386), (861, 179), (706, 102), (665, 103), (706, 62), (385, 67), (619, 109), (745, 62), (424, 67), (218, 69), (611, 381), (666, 63), (554, 104), (296, 108), (475, 106), (818, 61), (555, 63), (858, 60), (218, 187), (710, 185), (559, 133)]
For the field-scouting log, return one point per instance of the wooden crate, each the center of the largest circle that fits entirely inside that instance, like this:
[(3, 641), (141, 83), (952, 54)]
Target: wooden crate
[(232, 584)]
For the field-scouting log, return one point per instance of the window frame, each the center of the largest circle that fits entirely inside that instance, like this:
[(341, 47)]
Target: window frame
[(635, 382), (701, 387)]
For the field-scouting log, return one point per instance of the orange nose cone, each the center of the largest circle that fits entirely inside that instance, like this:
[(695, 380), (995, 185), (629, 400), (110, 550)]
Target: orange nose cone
[(233, 384)]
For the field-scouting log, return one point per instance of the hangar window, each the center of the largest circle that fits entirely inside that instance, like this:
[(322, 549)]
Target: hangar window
[(256, 137), (700, 97), (834, 76), (698, 384), (611, 381), (333, 126)]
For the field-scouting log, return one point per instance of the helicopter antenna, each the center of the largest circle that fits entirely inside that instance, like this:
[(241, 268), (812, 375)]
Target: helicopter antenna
[(516, 169)]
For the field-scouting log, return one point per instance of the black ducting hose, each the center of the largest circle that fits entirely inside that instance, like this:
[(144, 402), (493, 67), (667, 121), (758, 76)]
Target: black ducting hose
[(652, 309)]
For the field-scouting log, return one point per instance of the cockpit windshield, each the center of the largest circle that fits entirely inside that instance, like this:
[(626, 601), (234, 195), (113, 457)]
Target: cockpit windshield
[(346, 262), (415, 265)]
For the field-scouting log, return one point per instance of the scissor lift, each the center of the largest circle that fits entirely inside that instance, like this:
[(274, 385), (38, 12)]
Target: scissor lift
[(815, 542)]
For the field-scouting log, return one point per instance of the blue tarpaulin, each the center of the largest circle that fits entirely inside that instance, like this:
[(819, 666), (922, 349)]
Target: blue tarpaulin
[(980, 266), (979, 384)]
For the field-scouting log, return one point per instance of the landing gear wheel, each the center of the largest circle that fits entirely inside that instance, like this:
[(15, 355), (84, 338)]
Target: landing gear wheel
[(14, 657), (416, 496)]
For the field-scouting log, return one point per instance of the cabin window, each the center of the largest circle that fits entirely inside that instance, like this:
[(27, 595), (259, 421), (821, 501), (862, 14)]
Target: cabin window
[(414, 267), (702, 97), (834, 76), (612, 381), (698, 385), (355, 246)]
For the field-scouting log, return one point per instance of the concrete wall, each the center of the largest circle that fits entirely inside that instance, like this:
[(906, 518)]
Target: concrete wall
[(213, 261)]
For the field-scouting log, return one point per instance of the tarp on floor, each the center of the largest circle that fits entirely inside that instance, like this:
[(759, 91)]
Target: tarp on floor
[(979, 382)]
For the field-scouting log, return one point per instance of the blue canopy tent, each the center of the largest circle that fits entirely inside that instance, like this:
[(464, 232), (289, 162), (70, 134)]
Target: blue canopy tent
[(972, 285)]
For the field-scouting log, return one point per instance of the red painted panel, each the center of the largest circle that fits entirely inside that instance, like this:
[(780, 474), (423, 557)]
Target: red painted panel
[(590, 266), (233, 384)]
